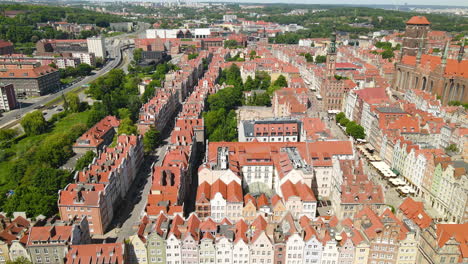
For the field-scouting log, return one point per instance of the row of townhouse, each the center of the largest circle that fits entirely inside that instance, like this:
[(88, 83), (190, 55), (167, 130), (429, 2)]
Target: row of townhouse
[(98, 188), (159, 111), (411, 140), (42, 241), (437, 242), (367, 237), (173, 176), (226, 201)]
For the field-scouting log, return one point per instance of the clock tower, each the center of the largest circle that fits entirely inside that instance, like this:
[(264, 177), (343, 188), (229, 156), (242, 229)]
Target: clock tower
[(331, 56)]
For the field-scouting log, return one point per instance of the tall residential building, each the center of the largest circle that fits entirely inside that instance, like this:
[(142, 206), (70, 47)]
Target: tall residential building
[(7, 97), (97, 46)]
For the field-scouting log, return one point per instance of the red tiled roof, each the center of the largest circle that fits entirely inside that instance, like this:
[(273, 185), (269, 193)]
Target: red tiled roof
[(418, 20), (415, 211), (29, 73), (48, 234), (96, 253)]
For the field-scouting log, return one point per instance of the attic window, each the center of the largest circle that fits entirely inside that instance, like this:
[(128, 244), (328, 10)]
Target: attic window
[(25, 74), (12, 74)]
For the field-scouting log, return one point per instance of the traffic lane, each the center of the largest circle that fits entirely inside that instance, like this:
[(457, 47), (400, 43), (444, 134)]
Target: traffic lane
[(11, 116)]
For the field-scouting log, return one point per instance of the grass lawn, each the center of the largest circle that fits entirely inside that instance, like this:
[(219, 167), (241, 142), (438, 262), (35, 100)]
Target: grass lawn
[(67, 80), (26, 143), (113, 34)]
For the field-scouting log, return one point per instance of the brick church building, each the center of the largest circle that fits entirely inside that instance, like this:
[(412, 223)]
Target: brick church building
[(335, 89), (440, 75)]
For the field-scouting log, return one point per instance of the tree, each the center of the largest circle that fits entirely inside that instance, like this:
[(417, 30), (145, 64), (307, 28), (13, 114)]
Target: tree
[(8, 134), (249, 84), (34, 123), (96, 113), (124, 113), (148, 93), (231, 44), (320, 59), (309, 57), (340, 116), (84, 69), (192, 56), (138, 55), (73, 102), (387, 54), (151, 140), (344, 121), (452, 148), (85, 160), (281, 81), (20, 260), (252, 54), (127, 127), (355, 130), (55, 150)]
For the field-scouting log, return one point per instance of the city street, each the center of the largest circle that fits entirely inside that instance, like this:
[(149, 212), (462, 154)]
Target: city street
[(114, 46)]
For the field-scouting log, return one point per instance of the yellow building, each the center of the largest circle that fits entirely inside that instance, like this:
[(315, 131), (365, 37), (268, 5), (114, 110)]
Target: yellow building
[(137, 253), (408, 249)]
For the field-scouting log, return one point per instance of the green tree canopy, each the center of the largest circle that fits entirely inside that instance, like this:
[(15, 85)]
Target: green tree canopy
[(151, 140), (344, 121), (231, 44), (85, 160), (281, 81), (355, 130), (34, 123), (320, 59), (127, 127), (73, 102), (339, 116)]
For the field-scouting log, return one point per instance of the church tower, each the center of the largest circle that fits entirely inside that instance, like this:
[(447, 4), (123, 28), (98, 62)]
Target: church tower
[(331, 56), (415, 34)]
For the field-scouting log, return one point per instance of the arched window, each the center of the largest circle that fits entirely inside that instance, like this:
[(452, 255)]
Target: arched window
[(424, 83)]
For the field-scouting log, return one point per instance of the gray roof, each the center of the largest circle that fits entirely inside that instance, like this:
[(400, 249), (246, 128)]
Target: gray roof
[(460, 164), (394, 110)]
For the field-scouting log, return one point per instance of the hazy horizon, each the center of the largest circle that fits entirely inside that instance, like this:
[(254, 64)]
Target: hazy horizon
[(400, 3)]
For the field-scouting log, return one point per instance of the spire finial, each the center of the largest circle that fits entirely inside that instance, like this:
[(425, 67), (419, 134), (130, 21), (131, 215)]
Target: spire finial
[(332, 48), (420, 50), (444, 56), (462, 51)]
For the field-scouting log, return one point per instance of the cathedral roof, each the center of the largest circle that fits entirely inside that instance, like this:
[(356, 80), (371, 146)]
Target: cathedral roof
[(418, 20), (453, 67)]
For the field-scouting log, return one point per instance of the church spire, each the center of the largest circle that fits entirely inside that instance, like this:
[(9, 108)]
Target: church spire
[(462, 51), (420, 51), (332, 48), (331, 56), (444, 56)]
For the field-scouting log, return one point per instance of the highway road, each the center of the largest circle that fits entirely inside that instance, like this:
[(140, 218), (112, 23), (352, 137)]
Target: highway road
[(113, 45)]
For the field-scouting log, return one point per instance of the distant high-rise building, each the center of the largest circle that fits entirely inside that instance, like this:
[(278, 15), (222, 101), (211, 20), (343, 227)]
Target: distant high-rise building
[(97, 46)]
